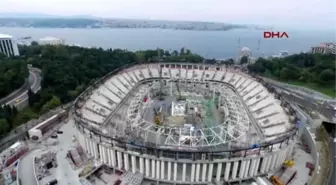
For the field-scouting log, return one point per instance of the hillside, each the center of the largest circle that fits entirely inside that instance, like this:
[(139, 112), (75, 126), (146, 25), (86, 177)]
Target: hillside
[(313, 71)]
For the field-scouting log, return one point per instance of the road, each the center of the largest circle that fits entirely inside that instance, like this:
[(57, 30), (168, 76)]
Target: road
[(324, 108), (34, 81), (26, 170)]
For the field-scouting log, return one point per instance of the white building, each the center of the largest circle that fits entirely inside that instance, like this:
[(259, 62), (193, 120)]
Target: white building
[(51, 41), (324, 48), (8, 46)]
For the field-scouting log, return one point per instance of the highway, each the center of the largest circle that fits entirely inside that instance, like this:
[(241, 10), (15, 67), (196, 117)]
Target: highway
[(34, 81), (311, 104)]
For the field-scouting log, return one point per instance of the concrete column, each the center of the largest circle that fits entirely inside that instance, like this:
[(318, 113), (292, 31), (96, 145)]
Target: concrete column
[(162, 170), (227, 171), (87, 146), (119, 157), (108, 156), (158, 169), (252, 167), (101, 153), (242, 169), (235, 170), (153, 169), (286, 154), (204, 170), (274, 159), (184, 168), (169, 170), (106, 161), (175, 171), (210, 172), (141, 161), (257, 167), (279, 161), (95, 146), (91, 148), (219, 171), (133, 162), (268, 165), (198, 169), (247, 168), (147, 168), (113, 158), (290, 151), (263, 164), (192, 174), (126, 161)]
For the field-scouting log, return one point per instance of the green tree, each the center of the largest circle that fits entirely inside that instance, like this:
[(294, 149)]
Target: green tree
[(3, 126), (244, 60)]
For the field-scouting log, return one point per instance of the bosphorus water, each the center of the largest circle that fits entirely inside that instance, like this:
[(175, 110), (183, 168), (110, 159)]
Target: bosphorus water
[(210, 44)]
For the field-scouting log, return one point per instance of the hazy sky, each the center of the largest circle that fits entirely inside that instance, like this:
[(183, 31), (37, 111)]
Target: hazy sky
[(294, 13)]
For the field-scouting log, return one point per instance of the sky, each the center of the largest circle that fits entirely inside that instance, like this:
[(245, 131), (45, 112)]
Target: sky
[(288, 13)]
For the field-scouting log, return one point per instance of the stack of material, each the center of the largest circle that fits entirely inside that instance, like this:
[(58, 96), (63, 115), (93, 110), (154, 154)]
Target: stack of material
[(81, 153), (132, 179), (76, 157)]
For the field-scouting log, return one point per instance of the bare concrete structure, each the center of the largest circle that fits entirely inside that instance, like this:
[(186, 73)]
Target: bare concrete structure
[(241, 130)]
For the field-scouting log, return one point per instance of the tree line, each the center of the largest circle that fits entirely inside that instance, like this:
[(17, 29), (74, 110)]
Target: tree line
[(305, 68), (67, 71), (13, 73)]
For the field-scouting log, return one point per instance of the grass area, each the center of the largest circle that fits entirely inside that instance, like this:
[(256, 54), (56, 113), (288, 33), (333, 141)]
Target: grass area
[(327, 90)]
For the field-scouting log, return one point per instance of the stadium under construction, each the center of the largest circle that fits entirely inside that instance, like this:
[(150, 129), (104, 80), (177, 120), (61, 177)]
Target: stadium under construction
[(185, 123)]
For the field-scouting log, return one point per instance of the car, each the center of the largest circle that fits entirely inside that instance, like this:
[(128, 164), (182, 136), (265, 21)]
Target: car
[(52, 182), (54, 136), (18, 100), (59, 132)]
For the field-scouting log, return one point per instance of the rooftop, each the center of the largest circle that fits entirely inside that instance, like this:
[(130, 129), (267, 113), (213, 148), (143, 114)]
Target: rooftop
[(49, 39)]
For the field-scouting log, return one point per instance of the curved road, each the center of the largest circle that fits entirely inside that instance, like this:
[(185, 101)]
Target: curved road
[(26, 170), (34, 81), (324, 108)]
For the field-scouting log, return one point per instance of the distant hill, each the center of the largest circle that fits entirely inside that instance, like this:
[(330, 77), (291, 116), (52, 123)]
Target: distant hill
[(41, 20), (42, 16)]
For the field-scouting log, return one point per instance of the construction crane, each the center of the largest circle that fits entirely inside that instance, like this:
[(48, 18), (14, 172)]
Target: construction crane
[(178, 90), (161, 95)]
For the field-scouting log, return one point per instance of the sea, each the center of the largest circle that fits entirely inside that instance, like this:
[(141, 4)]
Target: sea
[(209, 44)]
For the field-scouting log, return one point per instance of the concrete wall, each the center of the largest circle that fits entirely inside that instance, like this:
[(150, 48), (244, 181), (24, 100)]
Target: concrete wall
[(37, 181)]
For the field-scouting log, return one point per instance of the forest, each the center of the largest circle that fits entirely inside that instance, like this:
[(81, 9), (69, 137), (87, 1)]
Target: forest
[(13, 73), (68, 70), (315, 71)]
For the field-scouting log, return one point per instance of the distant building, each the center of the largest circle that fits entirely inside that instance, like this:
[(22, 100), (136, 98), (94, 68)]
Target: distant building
[(281, 54), (51, 41), (8, 46), (325, 48), (244, 52)]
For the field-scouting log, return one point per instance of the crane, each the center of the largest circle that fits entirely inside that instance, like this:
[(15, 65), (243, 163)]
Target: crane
[(178, 90)]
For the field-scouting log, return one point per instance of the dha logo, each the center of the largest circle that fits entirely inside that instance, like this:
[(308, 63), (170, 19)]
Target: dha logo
[(279, 35)]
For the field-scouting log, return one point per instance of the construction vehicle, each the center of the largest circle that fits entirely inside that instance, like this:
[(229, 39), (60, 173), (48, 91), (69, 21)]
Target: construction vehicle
[(288, 163), (157, 116), (286, 177)]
